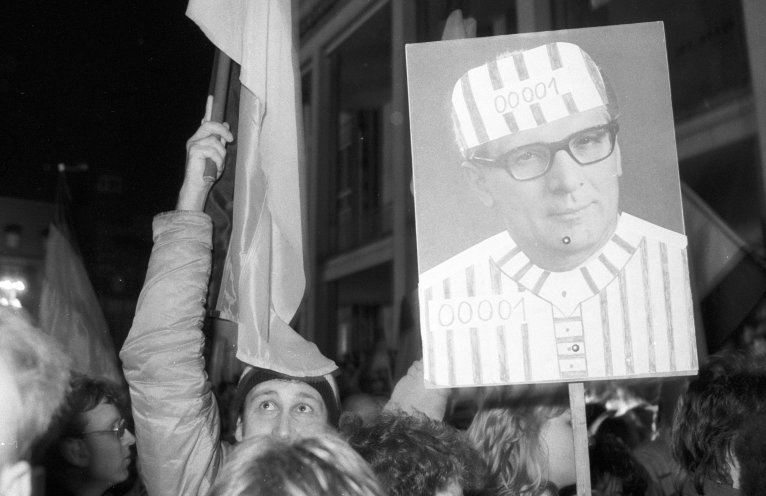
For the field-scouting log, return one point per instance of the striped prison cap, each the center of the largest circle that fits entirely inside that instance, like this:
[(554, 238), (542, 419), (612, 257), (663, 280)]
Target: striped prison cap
[(523, 90)]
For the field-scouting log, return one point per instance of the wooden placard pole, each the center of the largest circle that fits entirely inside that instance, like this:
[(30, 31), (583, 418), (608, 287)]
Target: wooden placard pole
[(580, 437)]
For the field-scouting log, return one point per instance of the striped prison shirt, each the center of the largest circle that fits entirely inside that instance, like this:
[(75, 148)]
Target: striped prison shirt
[(491, 316)]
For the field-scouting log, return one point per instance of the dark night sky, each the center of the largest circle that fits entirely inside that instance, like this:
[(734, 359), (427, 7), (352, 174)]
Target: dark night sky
[(118, 85)]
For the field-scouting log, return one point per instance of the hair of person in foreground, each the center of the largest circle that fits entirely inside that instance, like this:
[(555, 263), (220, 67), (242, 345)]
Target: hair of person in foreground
[(40, 372), (730, 388), (414, 455), (34, 378), (322, 465), (512, 431)]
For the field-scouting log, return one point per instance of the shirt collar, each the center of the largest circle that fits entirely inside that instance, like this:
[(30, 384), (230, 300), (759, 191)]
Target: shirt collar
[(566, 290)]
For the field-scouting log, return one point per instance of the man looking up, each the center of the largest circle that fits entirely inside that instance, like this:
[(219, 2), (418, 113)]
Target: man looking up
[(176, 416), (572, 287)]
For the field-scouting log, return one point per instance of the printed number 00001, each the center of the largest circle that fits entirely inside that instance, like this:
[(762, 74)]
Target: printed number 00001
[(528, 94)]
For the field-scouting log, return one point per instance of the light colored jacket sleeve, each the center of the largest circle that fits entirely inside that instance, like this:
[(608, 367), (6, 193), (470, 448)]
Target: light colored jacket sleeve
[(175, 412)]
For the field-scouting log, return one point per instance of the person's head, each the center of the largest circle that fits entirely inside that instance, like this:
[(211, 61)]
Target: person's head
[(93, 449), (525, 436), (537, 130), (34, 378), (729, 389), (284, 406), (413, 455), (321, 465)]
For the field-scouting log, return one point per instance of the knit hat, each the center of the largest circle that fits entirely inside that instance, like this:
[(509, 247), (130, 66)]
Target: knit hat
[(324, 384), (523, 90)]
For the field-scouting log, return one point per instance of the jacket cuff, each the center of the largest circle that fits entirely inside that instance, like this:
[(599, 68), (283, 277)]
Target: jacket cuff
[(182, 224)]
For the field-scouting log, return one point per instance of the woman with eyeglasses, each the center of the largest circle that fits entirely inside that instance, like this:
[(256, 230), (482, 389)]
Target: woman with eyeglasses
[(93, 450)]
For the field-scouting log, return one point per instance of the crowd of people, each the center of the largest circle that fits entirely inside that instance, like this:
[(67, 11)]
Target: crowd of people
[(79, 430), (292, 434)]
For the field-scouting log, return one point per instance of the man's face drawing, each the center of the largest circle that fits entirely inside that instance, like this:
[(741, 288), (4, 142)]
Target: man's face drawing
[(564, 216)]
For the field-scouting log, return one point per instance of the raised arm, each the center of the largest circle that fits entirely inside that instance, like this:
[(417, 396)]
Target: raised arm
[(177, 420)]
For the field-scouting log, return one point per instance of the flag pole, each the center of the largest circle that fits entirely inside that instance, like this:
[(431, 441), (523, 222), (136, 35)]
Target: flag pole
[(219, 86), (580, 435)]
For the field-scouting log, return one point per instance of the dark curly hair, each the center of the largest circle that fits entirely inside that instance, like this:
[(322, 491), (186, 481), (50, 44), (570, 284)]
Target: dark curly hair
[(729, 389), (414, 455), (86, 394)]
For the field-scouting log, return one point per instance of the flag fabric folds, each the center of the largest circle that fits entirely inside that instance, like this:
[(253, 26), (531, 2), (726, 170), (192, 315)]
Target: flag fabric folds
[(263, 278), (69, 307), (729, 277)]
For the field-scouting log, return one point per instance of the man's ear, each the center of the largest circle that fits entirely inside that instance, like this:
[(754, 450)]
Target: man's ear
[(477, 181), (238, 431), (16, 479), (75, 452)]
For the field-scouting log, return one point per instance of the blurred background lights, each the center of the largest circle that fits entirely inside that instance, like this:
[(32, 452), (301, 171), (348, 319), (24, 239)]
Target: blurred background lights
[(12, 285), (9, 288)]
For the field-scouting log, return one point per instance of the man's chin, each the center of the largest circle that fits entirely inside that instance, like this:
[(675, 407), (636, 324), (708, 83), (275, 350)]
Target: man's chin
[(577, 238), (563, 251)]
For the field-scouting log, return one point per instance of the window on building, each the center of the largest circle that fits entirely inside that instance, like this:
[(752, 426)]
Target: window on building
[(361, 206), (493, 17)]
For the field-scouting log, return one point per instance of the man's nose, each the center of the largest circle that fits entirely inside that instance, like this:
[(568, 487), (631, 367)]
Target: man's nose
[(565, 174), (128, 438), (283, 428)]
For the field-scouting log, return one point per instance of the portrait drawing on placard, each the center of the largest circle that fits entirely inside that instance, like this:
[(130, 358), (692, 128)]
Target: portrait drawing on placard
[(551, 244)]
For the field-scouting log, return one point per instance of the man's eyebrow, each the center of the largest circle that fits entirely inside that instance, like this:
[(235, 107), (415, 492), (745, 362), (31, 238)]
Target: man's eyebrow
[(265, 392), (304, 394), (275, 392)]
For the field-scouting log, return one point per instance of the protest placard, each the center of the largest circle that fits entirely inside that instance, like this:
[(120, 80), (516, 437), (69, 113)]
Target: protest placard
[(550, 234)]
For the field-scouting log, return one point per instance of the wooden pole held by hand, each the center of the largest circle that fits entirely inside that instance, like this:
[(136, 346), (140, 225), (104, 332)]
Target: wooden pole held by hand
[(219, 87)]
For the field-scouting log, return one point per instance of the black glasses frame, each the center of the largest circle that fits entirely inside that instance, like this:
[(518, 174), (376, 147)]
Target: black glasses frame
[(553, 148), (118, 430)]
